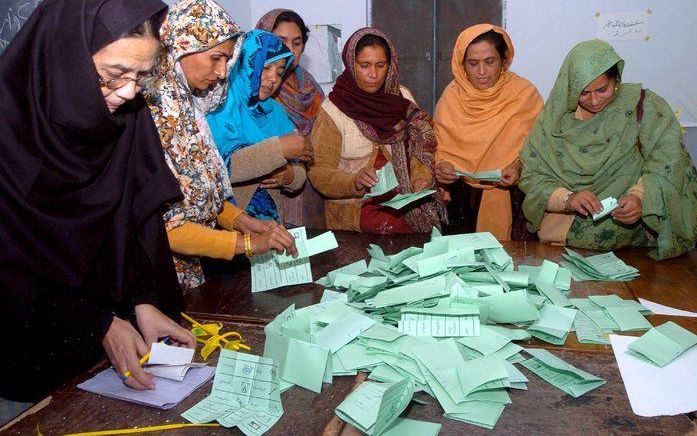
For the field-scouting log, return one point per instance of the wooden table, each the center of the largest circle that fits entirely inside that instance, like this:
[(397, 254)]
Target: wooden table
[(542, 409)]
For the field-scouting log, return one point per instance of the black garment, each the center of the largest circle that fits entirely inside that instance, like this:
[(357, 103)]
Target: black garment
[(463, 211), (81, 194)]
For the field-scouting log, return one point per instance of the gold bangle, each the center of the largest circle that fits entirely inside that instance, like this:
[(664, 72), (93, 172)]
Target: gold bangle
[(248, 245)]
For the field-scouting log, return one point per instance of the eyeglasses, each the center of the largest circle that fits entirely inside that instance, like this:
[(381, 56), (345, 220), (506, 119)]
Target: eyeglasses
[(142, 80)]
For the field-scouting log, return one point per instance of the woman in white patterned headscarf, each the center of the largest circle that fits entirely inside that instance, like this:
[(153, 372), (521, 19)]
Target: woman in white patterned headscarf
[(198, 40)]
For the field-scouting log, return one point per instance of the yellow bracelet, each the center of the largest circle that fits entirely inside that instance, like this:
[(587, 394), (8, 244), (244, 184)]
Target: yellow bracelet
[(248, 245)]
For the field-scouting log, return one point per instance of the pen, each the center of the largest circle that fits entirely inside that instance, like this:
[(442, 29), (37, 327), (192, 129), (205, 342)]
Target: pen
[(143, 359)]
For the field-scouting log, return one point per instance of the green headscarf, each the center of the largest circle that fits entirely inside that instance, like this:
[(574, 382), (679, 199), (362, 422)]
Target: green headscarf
[(601, 154)]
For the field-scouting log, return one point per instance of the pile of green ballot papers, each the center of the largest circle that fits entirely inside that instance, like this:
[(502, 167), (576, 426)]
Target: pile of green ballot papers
[(442, 320), (605, 267)]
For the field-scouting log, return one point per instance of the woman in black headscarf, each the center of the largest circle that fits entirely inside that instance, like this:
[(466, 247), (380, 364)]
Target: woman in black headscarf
[(82, 187)]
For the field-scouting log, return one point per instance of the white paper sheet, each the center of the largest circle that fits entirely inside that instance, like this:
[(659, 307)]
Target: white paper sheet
[(654, 391), (660, 309), (167, 393), (163, 354)]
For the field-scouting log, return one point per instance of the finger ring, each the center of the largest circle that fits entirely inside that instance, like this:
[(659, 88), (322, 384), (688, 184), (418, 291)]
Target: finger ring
[(123, 378)]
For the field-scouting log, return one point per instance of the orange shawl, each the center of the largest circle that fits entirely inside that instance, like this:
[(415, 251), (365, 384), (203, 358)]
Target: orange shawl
[(481, 130)]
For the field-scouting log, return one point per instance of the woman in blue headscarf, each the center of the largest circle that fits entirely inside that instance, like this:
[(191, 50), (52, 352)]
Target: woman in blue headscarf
[(255, 136)]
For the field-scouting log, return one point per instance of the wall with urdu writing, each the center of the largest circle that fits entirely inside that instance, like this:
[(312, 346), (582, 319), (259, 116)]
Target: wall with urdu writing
[(543, 31)]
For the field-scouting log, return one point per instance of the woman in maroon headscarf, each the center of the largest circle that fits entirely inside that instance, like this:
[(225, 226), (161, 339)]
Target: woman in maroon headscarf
[(367, 121), (83, 183)]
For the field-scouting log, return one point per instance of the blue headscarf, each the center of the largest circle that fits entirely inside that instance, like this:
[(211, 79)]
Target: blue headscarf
[(245, 120)]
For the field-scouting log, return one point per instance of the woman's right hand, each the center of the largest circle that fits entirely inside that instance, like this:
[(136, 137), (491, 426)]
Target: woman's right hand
[(365, 178), (584, 203), (123, 344), (277, 239), (296, 147), (445, 173)]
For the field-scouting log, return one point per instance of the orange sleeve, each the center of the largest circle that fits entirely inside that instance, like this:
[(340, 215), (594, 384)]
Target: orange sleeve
[(194, 239), (226, 218)]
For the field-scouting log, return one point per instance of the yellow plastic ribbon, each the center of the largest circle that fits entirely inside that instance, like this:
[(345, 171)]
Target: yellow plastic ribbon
[(142, 429), (209, 335)]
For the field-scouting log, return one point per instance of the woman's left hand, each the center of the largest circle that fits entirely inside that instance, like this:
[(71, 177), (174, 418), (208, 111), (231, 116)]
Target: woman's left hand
[(510, 174), (419, 185), (154, 324), (279, 178), (628, 210), (247, 224)]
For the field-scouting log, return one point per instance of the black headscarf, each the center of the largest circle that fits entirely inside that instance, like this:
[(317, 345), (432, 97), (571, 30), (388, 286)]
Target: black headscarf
[(77, 183)]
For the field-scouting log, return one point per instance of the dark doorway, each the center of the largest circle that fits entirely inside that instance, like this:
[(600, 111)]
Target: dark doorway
[(411, 25)]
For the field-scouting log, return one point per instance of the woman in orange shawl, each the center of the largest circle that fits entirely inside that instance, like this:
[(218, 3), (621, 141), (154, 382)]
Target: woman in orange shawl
[(481, 121)]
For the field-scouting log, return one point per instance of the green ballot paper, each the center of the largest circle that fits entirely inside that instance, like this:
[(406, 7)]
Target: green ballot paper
[(387, 181), (372, 407), (245, 394), (307, 247), (482, 176), (401, 200), (555, 371), (663, 344)]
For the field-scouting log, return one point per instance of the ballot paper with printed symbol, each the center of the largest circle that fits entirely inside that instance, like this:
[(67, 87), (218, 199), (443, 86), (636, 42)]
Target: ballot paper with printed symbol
[(440, 321), (245, 394)]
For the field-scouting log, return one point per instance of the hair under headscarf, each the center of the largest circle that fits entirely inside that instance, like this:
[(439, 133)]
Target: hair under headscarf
[(299, 93)]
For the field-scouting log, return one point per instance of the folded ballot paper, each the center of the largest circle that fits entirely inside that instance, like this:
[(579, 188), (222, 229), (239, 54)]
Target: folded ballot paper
[(608, 205), (601, 267), (387, 181), (372, 407), (562, 375), (663, 344), (482, 176)]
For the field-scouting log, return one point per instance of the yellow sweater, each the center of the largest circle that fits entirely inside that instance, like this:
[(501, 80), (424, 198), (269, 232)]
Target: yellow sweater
[(195, 239)]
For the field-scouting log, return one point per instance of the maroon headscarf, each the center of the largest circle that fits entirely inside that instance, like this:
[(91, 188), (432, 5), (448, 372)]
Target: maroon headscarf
[(379, 116)]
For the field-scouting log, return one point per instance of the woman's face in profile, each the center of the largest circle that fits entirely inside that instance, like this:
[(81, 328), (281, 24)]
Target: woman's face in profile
[(483, 64), (291, 36), (271, 77), (598, 94), (205, 69), (130, 57), (371, 67)]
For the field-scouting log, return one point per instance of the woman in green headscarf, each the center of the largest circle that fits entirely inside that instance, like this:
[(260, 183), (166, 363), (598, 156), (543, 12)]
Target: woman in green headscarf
[(598, 138)]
